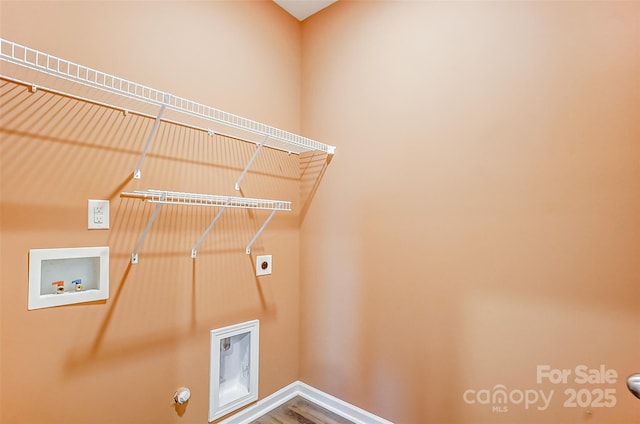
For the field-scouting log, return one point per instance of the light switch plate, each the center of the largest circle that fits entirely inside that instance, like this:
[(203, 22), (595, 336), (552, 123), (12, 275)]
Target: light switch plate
[(263, 265), (98, 214)]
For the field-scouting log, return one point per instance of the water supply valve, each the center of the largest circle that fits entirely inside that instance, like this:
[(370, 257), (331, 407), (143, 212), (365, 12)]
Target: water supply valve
[(181, 395)]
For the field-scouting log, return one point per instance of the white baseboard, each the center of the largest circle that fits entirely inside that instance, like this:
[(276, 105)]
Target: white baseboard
[(298, 388), (340, 407)]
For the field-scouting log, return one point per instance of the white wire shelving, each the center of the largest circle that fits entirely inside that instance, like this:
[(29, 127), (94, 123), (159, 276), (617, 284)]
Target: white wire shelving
[(37, 70), (197, 199), (42, 71), (161, 197)]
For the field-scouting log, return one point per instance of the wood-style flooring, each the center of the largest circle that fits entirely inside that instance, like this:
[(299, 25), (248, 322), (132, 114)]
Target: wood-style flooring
[(300, 411)]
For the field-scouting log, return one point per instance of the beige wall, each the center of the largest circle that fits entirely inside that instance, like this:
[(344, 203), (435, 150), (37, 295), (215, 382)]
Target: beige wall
[(120, 361), (481, 216), (479, 219)]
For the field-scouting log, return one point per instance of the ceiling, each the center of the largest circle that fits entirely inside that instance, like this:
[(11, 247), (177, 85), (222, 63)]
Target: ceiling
[(302, 9)]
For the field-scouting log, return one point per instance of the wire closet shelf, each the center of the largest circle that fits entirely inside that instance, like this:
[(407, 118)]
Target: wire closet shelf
[(196, 199), (41, 71), (161, 197), (121, 92)]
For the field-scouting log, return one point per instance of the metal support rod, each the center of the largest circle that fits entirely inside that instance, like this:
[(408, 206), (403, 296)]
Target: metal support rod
[(246, 168), (152, 134), (154, 215), (194, 250), (253, 240)]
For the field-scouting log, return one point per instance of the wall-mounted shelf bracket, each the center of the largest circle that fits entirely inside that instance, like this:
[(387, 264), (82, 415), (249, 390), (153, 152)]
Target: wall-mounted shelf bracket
[(255, 237), (137, 172), (194, 250), (154, 215), (253, 157)]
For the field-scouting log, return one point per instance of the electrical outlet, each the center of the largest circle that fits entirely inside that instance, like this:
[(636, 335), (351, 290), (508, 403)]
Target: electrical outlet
[(98, 214), (263, 265)]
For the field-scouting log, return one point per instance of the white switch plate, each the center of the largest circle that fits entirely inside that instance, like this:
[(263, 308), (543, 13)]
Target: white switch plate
[(263, 265), (98, 214)]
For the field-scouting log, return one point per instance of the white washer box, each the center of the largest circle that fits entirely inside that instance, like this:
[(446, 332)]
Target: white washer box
[(234, 368), (67, 275)]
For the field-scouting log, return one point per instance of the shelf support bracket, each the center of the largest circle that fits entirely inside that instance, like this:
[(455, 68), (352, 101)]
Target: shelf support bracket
[(194, 250), (255, 237), (137, 173), (255, 155), (154, 215)]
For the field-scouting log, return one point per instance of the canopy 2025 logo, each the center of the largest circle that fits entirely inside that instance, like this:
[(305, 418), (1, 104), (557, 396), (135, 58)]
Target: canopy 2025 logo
[(574, 395)]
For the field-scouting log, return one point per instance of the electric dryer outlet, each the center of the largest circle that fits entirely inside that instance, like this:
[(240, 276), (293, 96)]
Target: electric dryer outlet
[(263, 265)]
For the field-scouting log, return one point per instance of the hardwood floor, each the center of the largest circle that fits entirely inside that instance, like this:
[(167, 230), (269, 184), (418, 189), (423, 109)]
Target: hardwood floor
[(300, 411)]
